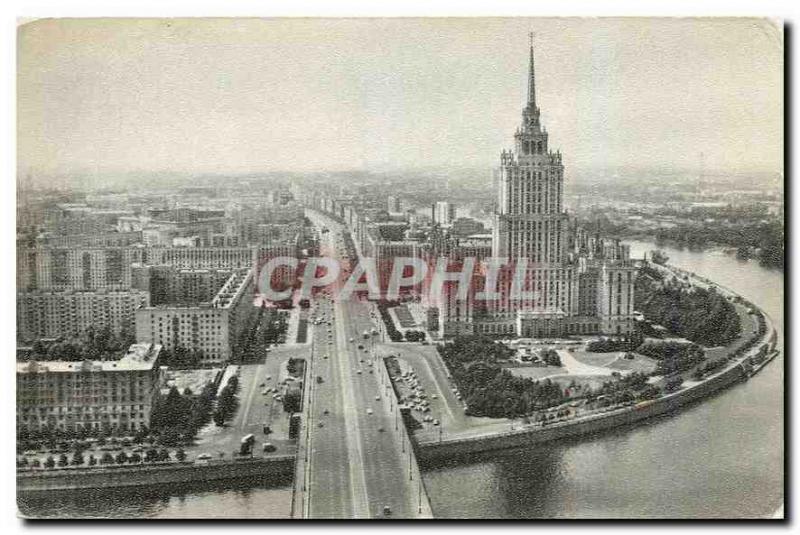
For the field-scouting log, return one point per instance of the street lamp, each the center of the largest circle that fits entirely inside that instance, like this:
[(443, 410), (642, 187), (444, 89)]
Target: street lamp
[(419, 494)]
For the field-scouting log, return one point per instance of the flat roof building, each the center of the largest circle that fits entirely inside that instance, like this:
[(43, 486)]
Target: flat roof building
[(68, 396)]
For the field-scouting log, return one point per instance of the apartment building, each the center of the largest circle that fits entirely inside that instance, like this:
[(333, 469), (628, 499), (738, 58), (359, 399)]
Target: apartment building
[(68, 396)]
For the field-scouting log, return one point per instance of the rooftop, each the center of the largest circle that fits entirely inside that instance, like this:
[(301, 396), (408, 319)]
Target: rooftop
[(140, 357)]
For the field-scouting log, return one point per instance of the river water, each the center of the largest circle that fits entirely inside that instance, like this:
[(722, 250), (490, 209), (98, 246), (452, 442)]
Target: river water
[(722, 457)]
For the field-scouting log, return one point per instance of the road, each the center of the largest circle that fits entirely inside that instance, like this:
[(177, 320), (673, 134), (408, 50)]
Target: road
[(357, 463), (255, 409)]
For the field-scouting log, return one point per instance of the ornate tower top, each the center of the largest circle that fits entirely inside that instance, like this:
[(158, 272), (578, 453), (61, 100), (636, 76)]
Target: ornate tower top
[(531, 113), (531, 80)]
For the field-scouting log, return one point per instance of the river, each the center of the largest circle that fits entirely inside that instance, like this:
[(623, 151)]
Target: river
[(721, 458)]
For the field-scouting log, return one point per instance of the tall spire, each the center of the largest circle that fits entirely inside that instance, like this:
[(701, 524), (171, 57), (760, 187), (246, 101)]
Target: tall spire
[(531, 80)]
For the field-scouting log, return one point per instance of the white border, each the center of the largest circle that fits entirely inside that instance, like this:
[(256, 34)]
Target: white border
[(15, 9)]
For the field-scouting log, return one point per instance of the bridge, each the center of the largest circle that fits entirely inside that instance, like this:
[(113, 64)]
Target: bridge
[(355, 459)]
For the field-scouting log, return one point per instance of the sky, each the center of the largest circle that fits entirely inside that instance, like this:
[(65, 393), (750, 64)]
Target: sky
[(252, 95)]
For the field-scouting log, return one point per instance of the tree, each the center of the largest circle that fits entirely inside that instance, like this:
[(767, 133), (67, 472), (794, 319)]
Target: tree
[(107, 458), (135, 458), (292, 400), (219, 418), (227, 403), (673, 383), (551, 358), (180, 455), (49, 462), (122, 458), (151, 455), (92, 460), (62, 460)]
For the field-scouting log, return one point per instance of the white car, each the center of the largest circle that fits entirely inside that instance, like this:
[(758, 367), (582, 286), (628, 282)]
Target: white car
[(369, 411)]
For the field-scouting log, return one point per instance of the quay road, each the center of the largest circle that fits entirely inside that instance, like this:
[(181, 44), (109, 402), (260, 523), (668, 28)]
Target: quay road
[(359, 461)]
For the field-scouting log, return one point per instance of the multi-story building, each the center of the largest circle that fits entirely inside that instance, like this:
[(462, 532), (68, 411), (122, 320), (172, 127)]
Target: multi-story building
[(110, 268), (54, 314), (466, 226), (76, 267), (443, 213), (168, 284), (567, 282), (109, 394), (103, 239), (393, 204), (213, 329)]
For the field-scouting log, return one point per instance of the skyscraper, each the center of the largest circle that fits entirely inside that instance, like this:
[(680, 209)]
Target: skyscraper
[(569, 281), (530, 221)]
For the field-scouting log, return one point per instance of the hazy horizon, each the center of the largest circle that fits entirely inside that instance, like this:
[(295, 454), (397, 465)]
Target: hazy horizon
[(210, 96)]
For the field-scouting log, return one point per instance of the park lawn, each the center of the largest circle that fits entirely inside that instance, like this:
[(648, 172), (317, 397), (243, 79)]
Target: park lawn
[(640, 363), (536, 372), (596, 359)]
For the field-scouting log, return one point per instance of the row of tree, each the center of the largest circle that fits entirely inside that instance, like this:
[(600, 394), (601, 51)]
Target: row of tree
[(673, 357), (612, 345), (151, 456), (623, 389), (227, 402), (92, 344), (415, 336), (391, 330)]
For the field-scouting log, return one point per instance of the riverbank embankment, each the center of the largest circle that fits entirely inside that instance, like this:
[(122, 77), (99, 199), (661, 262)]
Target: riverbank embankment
[(265, 468)]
